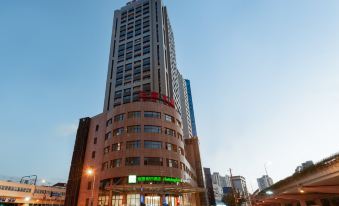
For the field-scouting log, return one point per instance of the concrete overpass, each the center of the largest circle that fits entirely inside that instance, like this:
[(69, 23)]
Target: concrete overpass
[(316, 185)]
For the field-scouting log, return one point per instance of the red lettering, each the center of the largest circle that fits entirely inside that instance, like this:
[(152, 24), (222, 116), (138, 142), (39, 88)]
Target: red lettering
[(142, 95), (171, 103), (154, 96)]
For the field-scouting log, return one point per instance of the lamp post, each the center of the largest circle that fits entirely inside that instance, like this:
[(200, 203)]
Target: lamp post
[(90, 172)]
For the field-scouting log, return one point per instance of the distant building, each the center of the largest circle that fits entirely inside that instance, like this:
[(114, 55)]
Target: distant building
[(264, 182), (222, 181), (209, 186), (304, 165), (225, 181), (15, 193), (239, 186), (216, 178), (218, 192)]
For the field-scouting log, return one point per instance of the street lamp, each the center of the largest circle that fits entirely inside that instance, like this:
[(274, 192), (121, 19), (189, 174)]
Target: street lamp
[(90, 172), (27, 199)]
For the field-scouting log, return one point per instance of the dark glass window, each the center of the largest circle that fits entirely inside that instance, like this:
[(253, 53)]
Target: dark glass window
[(170, 132), (152, 114), (109, 122), (153, 161), (152, 145), (152, 129), (130, 161), (169, 118), (135, 114), (119, 117), (116, 146), (134, 129), (106, 150), (118, 131), (146, 87), (133, 144), (172, 163), (171, 147), (115, 163), (108, 135)]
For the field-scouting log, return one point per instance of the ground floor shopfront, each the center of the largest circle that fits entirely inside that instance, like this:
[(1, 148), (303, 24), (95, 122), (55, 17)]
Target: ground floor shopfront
[(137, 199), (150, 196)]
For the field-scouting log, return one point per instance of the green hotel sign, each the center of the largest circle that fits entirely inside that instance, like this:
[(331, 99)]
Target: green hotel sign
[(156, 179)]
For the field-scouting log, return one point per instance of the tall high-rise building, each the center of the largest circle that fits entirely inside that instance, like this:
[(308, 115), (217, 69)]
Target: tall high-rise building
[(140, 150), (190, 102), (264, 182)]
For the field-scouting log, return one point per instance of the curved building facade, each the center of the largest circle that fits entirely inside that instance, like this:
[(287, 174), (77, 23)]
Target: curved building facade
[(138, 151)]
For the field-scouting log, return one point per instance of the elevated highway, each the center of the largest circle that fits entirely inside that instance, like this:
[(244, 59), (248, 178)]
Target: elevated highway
[(316, 185)]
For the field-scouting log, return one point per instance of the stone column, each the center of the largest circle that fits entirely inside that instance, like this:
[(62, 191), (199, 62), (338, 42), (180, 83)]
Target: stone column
[(110, 198)]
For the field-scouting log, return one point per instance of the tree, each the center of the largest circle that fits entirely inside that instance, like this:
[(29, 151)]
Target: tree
[(233, 200), (229, 199)]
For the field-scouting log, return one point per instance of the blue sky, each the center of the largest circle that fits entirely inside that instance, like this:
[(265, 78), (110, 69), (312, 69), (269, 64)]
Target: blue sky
[(264, 77)]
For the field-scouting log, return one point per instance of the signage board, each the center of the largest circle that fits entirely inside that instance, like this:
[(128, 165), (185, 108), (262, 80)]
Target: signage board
[(132, 179), (155, 96), (135, 179)]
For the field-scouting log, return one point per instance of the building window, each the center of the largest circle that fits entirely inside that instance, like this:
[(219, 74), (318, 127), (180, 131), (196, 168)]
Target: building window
[(169, 118), (115, 163), (154, 161), (104, 166), (95, 140), (152, 129), (146, 87), (170, 132), (103, 200), (179, 123), (118, 131), (152, 145), (97, 128), (179, 136), (116, 146), (119, 117), (134, 129), (131, 161), (135, 114), (172, 163), (182, 166), (151, 114), (171, 147), (133, 144), (93, 154), (89, 185), (117, 200), (106, 150), (108, 135), (108, 122), (181, 151), (133, 199)]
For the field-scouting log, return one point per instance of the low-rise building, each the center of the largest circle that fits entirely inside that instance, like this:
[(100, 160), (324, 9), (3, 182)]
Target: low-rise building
[(20, 194)]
